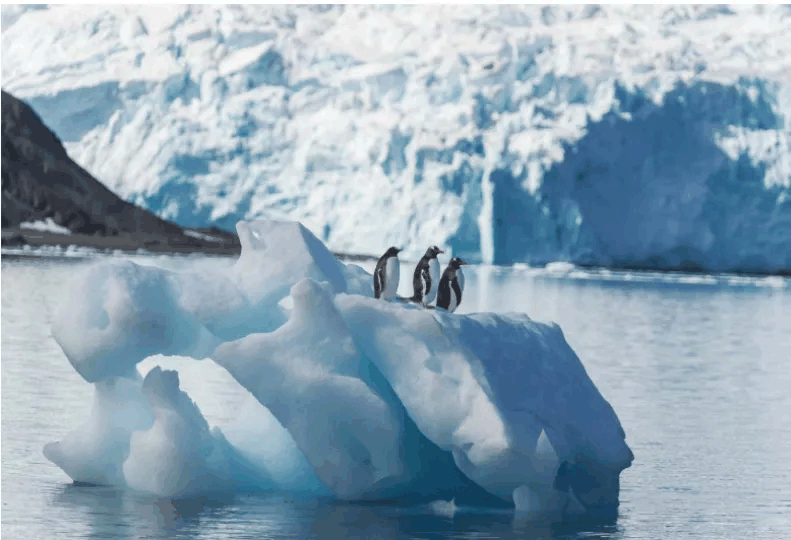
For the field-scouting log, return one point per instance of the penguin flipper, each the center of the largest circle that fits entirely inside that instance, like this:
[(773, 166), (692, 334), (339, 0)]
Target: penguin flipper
[(417, 285), (457, 290), (377, 286), (427, 279), (443, 292)]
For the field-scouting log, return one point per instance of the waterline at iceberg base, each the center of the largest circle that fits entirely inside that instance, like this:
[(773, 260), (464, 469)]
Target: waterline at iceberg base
[(355, 398)]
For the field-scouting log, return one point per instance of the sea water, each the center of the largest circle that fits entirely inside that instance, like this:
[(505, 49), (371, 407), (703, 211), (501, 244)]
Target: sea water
[(698, 369)]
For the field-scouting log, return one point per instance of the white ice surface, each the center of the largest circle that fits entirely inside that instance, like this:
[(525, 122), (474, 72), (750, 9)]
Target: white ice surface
[(493, 131), (95, 451), (348, 380), (118, 313), (307, 373), (202, 236), (47, 225), (146, 435), (486, 386), (280, 457)]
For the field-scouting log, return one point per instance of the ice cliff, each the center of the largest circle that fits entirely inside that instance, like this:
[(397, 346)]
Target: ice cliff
[(620, 135), (354, 397)]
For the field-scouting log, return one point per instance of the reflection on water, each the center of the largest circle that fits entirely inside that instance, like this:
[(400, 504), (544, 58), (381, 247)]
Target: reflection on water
[(110, 513), (697, 370)]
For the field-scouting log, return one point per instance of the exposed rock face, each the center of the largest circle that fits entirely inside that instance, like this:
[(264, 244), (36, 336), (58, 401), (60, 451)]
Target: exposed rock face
[(40, 181)]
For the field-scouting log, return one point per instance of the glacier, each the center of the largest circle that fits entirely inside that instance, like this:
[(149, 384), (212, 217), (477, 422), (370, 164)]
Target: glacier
[(630, 136), (350, 396)]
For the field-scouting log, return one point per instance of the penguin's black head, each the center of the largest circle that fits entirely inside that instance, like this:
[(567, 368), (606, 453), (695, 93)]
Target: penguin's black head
[(433, 251), (392, 251), (455, 262)]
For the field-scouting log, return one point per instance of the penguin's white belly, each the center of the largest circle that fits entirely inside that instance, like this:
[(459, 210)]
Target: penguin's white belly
[(454, 302), (392, 276), (433, 272)]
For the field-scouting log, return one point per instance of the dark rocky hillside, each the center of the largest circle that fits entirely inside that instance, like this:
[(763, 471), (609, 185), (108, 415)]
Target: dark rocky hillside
[(40, 181)]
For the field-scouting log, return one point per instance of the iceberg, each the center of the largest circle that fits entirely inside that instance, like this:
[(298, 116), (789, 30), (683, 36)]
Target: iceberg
[(350, 396), (307, 372), (146, 435)]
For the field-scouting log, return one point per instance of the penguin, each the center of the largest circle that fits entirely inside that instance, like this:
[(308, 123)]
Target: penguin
[(387, 274), (451, 285), (426, 277)]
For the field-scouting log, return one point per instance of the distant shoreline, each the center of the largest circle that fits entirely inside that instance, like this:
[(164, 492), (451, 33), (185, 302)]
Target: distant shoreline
[(17, 238), (86, 246)]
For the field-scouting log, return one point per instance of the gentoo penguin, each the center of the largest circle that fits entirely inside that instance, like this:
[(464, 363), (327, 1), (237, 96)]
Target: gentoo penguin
[(451, 285), (426, 277), (387, 274)]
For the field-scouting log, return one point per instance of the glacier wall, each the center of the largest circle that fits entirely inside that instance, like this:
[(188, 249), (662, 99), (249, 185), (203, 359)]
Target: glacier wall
[(618, 135)]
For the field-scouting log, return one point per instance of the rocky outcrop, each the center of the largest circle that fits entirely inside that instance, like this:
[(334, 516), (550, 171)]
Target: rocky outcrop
[(40, 182)]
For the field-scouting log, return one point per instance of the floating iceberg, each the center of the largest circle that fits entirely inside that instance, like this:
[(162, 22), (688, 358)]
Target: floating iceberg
[(355, 397), (147, 435)]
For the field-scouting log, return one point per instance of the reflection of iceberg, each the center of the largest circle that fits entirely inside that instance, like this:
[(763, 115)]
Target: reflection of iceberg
[(363, 399)]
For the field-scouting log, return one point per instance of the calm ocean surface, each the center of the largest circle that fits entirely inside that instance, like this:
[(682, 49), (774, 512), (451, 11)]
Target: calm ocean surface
[(698, 370)]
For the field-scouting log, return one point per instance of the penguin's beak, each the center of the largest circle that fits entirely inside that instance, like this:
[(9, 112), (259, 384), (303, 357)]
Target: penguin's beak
[(462, 262), (440, 251)]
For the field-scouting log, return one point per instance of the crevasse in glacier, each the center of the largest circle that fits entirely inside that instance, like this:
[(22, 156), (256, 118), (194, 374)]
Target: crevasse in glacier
[(362, 398)]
